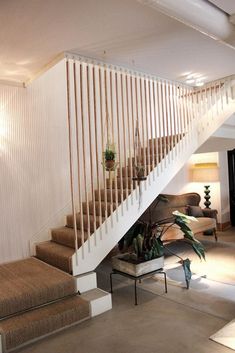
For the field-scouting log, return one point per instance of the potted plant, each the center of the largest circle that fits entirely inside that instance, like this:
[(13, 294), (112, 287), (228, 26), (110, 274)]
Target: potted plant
[(140, 173), (109, 156), (143, 244)]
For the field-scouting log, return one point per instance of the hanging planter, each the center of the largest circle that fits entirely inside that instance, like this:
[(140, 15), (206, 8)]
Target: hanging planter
[(140, 173), (109, 158)]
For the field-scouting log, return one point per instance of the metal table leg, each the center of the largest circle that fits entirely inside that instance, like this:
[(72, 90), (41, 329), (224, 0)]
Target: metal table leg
[(111, 282), (136, 293)]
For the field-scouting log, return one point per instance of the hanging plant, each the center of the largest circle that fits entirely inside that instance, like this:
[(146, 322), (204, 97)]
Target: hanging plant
[(140, 173), (109, 157)]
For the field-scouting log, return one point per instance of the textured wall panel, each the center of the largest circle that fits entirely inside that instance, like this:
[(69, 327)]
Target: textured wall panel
[(34, 173)]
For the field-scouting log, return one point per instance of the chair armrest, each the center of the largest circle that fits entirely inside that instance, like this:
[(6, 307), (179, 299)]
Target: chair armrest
[(211, 213)]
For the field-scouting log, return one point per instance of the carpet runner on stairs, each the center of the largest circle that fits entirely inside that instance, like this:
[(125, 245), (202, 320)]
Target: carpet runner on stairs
[(36, 299), (59, 250)]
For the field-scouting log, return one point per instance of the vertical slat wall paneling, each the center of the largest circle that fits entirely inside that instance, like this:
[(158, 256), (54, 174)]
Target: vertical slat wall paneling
[(129, 170), (211, 103), (85, 160), (118, 136), (220, 99), (156, 123), (113, 102), (70, 127), (152, 125), (180, 118), (185, 116), (173, 133), (192, 102), (109, 185), (124, 119), (187, 109), (226, 92), (217, 97), (160, 121), (140, 100), (102, 121), (181, 114), (168, 121), (147, 123), (77, 103), (207, 108), (90, 144), (71, 152), (98, 163), (134, 126), (171, 120), (164, 125), (177, 121)]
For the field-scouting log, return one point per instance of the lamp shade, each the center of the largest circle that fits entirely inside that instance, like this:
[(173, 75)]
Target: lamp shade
[(205, 172)]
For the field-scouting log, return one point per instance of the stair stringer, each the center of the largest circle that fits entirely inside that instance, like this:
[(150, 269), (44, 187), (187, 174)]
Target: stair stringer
[(112, 230)]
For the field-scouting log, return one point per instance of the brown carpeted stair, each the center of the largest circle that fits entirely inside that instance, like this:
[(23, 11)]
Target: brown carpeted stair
[(58, 252), (36, 299)]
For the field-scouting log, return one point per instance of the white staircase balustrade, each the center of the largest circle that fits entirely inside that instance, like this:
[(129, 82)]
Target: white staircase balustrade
[(108, 105)]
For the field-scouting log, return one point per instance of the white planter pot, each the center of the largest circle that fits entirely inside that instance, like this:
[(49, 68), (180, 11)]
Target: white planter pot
[(136, 269)]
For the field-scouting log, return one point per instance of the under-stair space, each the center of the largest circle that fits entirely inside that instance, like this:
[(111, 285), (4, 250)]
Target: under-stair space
[(59, 250)]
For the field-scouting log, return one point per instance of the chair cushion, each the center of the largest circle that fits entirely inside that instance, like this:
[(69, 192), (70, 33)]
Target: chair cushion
[(195, 211)]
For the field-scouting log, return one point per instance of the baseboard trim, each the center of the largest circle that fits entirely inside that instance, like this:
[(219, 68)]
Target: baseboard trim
[(223, 226)]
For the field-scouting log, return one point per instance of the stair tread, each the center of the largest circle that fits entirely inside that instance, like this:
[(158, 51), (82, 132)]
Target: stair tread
[(36, 323), (66, 236), (56, 255), (30, 282), (94, 294)]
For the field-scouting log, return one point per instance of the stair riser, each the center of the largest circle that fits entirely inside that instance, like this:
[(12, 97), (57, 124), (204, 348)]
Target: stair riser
[(98, 211), (86, 225), (125, 182), (108, 195), (128, 171)]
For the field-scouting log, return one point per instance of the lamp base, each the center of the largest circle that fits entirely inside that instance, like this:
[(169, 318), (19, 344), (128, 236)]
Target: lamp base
[(207, 196)]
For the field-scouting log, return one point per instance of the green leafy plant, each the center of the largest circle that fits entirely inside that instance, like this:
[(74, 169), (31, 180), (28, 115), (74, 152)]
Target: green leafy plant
[(110, 153), (144, 239)]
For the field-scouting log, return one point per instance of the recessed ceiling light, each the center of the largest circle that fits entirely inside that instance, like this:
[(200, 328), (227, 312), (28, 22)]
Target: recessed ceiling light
[(190, 81), (199, 83)]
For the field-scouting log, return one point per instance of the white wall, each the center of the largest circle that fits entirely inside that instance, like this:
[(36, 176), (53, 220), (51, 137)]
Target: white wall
[(34, 173), (182, 183)]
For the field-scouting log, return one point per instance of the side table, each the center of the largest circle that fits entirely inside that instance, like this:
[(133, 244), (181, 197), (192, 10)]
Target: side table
[(137, 278)]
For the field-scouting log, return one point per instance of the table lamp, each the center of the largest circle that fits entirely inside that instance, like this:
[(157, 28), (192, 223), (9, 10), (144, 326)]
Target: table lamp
[(206, 172)]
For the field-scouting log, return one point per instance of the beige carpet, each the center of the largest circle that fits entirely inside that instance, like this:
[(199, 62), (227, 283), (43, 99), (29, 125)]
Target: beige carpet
[(29, 283)]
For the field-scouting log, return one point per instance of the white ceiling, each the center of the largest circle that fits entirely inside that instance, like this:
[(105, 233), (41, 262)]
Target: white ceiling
[(124, 32)]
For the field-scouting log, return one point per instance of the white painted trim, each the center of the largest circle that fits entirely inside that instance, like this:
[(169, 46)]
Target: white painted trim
[(12, 83), (86, 282), (99, 305), (124, 69), (45, 68)]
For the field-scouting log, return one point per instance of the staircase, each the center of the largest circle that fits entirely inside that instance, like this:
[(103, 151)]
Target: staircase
[(109, 103), (105, 103)]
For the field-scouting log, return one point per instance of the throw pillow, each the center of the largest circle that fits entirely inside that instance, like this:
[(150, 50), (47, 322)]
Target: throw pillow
[(195, 211)]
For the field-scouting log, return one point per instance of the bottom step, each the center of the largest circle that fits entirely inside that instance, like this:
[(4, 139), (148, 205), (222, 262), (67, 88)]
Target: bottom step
[(100, 301), (29, 326)]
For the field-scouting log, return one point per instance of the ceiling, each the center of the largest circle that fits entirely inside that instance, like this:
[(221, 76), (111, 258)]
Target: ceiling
[(124, 32)]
